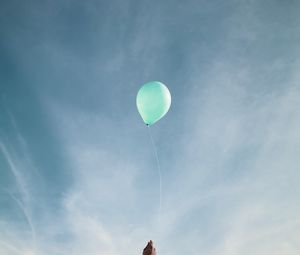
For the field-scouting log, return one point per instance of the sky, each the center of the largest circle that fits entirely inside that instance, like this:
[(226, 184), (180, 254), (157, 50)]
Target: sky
[(77, 171)]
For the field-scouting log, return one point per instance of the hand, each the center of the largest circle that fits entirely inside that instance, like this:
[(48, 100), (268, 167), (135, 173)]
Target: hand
[(149, 249)]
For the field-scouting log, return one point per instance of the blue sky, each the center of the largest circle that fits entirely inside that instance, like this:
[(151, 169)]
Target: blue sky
[(77, 171)]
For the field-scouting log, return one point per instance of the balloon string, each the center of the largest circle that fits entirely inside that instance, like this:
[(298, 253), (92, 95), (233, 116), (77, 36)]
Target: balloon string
[(159, 172)]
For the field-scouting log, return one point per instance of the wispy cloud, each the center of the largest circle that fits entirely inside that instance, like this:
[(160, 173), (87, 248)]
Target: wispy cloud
[(25, 199), (230, 158)]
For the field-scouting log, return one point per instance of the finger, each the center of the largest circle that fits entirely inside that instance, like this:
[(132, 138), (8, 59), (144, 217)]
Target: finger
[(154, 251), (148, 247), (150, 243)]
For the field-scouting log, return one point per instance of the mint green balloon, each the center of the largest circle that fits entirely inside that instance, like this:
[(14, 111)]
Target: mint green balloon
[(153, 101)]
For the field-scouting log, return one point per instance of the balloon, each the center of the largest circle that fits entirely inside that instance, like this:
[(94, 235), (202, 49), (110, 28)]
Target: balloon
[(153, 101)]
